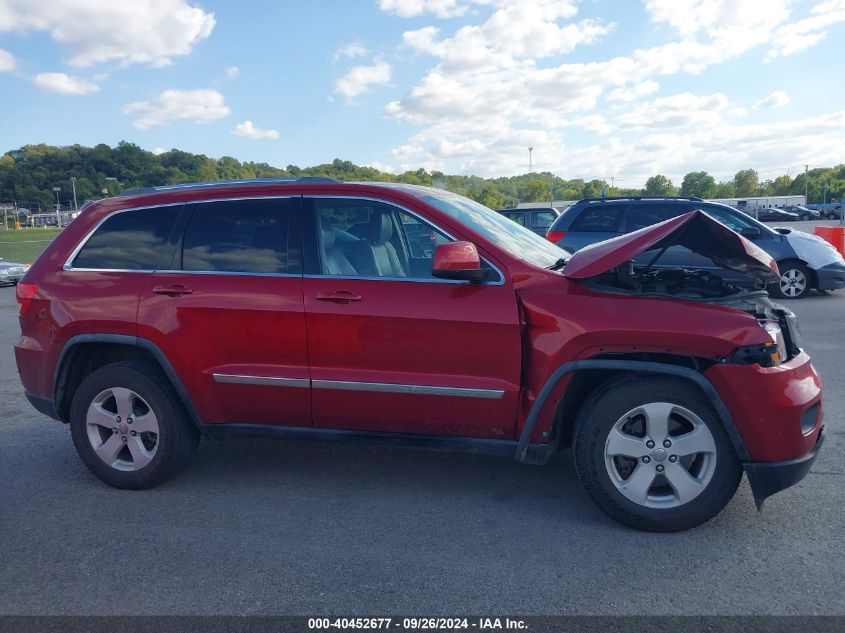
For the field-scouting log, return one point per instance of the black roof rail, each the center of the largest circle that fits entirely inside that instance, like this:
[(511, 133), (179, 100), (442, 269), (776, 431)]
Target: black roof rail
[(209, 184), (691, 198)]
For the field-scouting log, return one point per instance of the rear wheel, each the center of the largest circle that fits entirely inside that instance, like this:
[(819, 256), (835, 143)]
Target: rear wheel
[(831, 216), (652, 454), (806, 216), (129, 427), (795, 281)]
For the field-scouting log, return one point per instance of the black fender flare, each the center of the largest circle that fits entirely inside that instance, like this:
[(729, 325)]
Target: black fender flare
[(633, 366), (132, 341)]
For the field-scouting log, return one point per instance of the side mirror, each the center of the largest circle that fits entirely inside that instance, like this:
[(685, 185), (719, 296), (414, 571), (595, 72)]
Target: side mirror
[(750, 232), (460, 261)]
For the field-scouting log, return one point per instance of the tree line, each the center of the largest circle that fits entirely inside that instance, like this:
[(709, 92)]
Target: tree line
[(28, 176)]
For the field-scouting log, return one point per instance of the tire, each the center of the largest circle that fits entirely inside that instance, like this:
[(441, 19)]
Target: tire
[(137, 453), (831, 216), (649, 498), (806, 217), (796, 281)]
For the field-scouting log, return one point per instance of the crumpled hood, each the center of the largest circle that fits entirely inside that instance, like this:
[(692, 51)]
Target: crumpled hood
[(695, 230)]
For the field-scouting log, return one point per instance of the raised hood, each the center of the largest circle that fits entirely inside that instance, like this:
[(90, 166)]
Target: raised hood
[(696, 231)]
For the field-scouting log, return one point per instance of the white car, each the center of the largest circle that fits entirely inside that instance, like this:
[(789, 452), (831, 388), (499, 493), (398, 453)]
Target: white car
[(10, 273)]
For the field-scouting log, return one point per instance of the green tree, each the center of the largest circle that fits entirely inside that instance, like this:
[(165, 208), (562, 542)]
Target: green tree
[(725, 190), (698, 183), (659, 185), (537, 191), (782, 185), (745, 183)]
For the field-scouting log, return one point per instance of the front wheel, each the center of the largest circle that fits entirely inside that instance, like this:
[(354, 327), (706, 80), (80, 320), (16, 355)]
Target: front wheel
[(806, 217), (652, 454), (831, 216), (794, 282), (129, 427)]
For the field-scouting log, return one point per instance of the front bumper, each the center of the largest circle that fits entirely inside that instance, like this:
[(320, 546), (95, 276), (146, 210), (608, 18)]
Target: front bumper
[(768, 478), (831, 277)]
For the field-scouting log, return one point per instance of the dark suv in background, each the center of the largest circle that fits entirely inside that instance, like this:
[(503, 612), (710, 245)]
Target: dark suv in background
[(535, 220), (805, 261)]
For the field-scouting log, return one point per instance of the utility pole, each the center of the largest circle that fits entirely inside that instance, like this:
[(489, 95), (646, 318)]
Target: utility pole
[(824, 199), (73, 184), (806, 185), (530, 160)]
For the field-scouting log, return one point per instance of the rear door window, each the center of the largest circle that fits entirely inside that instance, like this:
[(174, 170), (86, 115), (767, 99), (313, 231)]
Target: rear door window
[(241, 236), (130, 240), (643, 214), (519, 218), (542, 219), (599, 218)]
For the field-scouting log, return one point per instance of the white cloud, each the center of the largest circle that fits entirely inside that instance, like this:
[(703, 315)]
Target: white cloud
[(95, 31), (7, 61), (352, 50), (680, 110), (775, 100), (232, 72), (384, 167), (361, 78), (200, 106), (439, 8), (800, 35), (248, 130), (64, 84), (638, 90), (158, 151)]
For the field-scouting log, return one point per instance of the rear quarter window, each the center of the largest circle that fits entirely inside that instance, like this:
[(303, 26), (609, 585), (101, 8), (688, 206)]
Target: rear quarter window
[(130, 240), (602, 218)]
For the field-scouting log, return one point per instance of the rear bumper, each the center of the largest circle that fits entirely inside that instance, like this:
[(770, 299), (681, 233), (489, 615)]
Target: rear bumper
[(768, 478), (831, 277)]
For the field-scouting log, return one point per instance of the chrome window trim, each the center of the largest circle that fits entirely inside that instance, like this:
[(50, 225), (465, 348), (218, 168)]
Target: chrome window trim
[(225, 272), (419, 390), (240, 379), (435, 280), (68, 265)]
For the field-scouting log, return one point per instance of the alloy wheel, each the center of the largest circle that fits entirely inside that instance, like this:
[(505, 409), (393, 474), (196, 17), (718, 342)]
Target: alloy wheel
[(660, 455), (122, 429), (793, 282)]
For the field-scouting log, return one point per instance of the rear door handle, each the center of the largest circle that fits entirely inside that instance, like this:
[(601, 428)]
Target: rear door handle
[(338, 296), (172, 291)]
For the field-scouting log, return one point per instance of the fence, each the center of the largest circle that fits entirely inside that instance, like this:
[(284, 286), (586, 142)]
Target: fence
[(23, 252)]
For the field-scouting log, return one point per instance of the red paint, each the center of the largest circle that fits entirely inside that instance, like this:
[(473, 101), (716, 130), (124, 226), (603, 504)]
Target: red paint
[(506, 337), (456, 256)]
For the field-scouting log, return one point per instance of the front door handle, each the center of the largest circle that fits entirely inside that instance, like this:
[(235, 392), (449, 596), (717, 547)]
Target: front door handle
[(172, 291), (338, 296)]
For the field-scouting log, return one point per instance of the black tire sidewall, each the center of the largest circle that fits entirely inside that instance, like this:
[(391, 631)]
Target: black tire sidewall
[(598, 417), (177, 438)]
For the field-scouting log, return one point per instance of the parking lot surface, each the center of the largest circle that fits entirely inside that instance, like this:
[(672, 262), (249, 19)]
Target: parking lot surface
[(266, 527)]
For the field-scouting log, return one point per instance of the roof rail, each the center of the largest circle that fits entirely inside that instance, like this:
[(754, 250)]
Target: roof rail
[(692, 198), (189, 186)]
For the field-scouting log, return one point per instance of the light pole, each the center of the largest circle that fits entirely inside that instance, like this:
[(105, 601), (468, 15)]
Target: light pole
[(530, 160), (806, 185), (58, 207), (73, 184)]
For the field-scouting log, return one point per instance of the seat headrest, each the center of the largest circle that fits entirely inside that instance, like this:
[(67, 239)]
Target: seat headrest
[(381, 227)]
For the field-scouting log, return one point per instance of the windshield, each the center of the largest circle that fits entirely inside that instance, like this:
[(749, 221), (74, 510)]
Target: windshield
[(505, 233)]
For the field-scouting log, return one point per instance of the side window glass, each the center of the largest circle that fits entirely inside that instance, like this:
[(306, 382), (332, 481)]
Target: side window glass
[(731, 220), (542, 219), (130, 240), (645, 214), (519, 218), (365, 238), (602, 218), (244, 236)]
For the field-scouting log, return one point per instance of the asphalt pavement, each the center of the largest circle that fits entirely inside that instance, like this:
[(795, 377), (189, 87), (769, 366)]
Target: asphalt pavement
[(265, 527)]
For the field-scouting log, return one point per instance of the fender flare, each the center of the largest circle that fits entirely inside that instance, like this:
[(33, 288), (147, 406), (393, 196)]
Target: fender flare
[(132, 341), (634, 366)]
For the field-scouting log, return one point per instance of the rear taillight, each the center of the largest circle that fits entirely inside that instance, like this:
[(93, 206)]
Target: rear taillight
[(24, 294), (555, 236)]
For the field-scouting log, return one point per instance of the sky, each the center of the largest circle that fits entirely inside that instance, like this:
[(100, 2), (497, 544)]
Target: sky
[(612, 89)]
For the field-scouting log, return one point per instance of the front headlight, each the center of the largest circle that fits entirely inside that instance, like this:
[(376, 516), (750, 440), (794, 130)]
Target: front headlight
[(4, 272), (776, 334)]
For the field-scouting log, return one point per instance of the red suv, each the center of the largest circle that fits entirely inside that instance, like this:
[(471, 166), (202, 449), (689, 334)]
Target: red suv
[(313, 309)]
